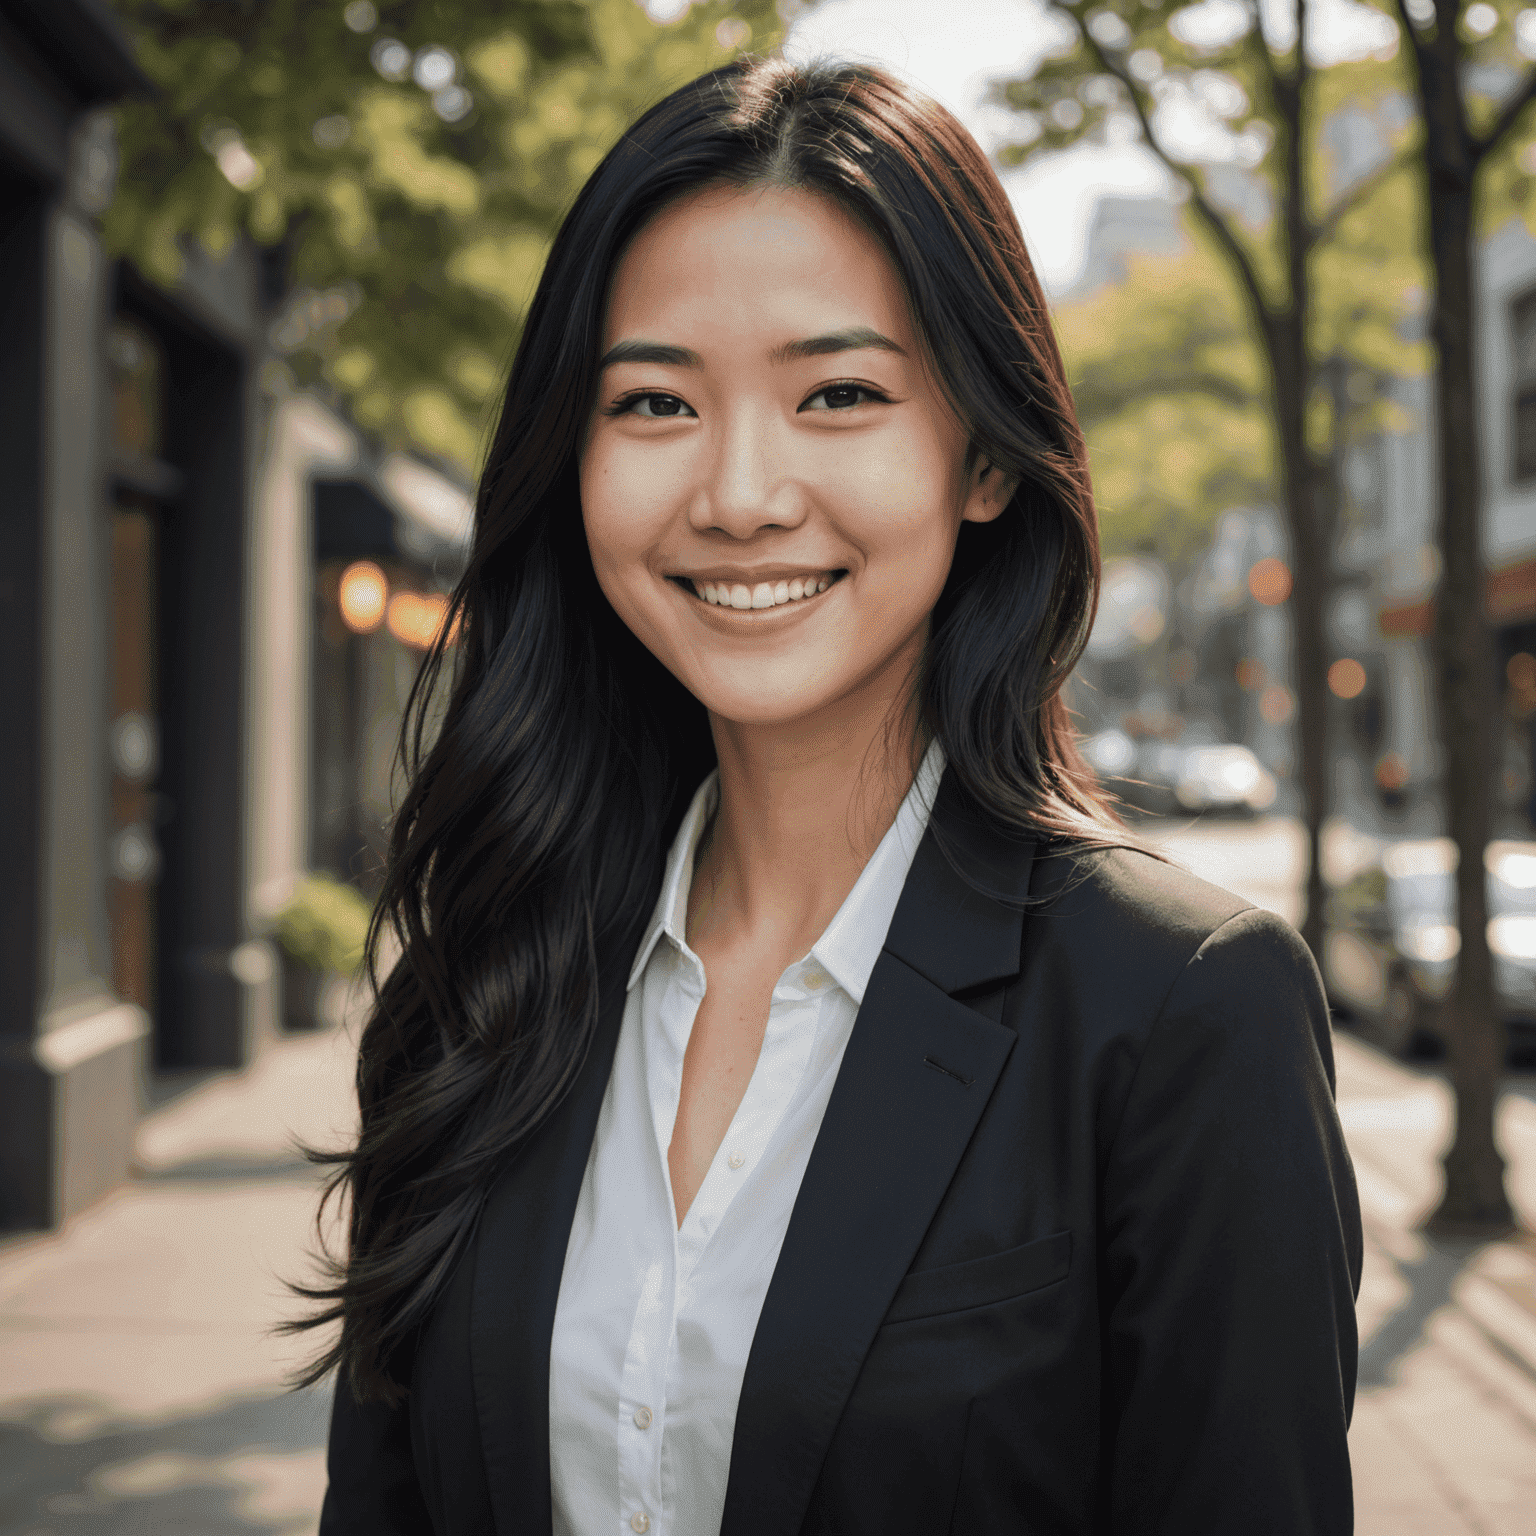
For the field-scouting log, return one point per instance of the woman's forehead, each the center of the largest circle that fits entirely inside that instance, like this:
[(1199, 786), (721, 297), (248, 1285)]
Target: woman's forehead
[(756, 260)]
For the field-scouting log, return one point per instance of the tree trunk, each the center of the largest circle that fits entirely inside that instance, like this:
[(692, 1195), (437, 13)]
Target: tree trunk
[(1287, 334), (1301, 494), (1475, 1201)]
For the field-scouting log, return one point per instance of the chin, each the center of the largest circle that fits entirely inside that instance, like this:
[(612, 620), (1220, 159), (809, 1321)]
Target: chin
[(763, 708)]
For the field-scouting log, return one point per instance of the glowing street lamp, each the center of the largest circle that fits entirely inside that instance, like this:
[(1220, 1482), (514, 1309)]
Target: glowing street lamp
[(364, 596), (415, 620)]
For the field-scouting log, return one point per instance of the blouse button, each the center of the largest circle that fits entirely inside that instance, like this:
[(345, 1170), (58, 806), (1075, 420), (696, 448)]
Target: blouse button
[(814, 980), (639, 1521), (642, 1421), (735, 1160)]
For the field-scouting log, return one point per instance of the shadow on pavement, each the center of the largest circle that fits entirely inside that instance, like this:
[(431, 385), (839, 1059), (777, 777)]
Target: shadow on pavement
[(254, 1465), (1429, 1282)]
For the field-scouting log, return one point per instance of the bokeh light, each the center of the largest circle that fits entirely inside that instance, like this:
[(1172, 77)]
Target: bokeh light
[(1269, 581), (363, 596), (415, 620), (1346, 678), (1277, 704)]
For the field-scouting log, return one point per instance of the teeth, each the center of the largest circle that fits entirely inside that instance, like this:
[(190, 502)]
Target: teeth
[(766, 594)]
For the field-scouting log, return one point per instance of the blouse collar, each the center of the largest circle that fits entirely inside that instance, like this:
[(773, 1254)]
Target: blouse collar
[(852, 942)]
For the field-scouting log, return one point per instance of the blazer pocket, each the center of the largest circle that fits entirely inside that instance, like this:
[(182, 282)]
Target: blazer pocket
[(979, 1282)]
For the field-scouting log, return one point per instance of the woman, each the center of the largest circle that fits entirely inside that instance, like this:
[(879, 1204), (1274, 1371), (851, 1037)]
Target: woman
[(795, 1109)]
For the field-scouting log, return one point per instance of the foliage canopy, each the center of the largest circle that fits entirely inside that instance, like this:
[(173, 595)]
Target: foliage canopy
[(405, 165), (1172, 373)]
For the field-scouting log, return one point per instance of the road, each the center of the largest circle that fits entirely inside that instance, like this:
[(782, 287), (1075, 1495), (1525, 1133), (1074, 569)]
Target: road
[(141, 1386)]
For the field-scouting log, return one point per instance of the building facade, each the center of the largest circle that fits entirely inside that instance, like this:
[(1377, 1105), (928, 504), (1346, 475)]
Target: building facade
[(176, 518)]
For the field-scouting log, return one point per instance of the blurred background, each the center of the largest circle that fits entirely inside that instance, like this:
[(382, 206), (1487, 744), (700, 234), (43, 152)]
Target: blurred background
[(262, 269)]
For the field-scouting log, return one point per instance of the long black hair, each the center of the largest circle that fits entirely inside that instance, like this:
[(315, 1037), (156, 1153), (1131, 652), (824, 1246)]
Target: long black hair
[(537, 814)]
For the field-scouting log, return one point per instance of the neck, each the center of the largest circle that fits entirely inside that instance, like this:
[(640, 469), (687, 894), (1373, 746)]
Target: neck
[(802, 808)]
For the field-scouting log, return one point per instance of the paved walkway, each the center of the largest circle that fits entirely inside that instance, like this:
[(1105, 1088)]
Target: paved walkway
[(141, 1386)]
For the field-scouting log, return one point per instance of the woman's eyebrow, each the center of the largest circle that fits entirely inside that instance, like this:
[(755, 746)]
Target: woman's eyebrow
[(856, 338), (658, 352)]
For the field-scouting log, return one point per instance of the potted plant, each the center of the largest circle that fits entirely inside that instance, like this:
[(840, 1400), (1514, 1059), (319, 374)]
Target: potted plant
[(320, 933)]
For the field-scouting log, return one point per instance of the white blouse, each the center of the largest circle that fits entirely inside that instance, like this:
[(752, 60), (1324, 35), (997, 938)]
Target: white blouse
[(655, 1321)]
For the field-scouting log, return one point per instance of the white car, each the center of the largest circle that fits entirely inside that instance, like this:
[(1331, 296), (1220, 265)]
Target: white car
[(1389, 954)]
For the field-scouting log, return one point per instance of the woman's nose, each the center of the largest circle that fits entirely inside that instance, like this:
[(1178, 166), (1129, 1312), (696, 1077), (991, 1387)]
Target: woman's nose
[(750, 482)]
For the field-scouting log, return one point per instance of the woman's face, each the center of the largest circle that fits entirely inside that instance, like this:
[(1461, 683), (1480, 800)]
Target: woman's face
[(772, 483)]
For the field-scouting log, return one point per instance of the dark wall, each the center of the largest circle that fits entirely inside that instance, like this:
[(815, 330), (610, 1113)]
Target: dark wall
[(22, 210)]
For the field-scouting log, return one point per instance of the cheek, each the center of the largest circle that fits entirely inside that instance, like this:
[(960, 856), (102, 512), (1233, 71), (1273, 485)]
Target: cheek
[(902, 505), (620, 515)]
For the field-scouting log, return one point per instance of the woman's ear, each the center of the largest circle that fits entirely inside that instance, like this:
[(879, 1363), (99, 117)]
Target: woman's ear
[(990, 490)]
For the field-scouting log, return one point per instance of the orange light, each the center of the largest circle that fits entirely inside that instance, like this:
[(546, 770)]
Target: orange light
[(1251, 674), (1391, 771), (1276, 704), (363, 595), (1346, 678), (415, 620), (1270, 581)]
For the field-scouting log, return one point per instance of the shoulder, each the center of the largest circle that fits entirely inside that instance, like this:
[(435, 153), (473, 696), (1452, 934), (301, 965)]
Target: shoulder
[(1129, 899), (1130, 938)]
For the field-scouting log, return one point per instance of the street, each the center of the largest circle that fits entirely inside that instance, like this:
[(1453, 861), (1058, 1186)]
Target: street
[(141, 1387)]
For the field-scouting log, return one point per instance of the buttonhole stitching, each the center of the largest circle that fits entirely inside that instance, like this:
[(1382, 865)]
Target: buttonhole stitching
[(938, 1066)]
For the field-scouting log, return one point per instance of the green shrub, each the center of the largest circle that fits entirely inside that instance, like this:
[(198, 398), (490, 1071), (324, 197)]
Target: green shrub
[(324, 925)]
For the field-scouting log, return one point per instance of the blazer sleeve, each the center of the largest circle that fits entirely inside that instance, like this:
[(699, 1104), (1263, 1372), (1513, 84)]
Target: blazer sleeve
[(373, 1489), (1230, 1256)]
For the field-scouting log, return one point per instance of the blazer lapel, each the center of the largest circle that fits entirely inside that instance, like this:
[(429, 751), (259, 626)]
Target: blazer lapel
[(918, 1071), (519, 1255)]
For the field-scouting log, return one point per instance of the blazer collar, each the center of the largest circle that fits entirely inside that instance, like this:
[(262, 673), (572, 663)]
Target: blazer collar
[(918, 1071), (960, 921)]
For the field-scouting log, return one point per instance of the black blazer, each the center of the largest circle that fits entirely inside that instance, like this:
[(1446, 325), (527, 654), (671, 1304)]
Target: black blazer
[(1076, 1250)]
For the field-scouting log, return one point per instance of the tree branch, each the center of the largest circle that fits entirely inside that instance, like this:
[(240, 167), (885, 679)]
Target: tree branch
[(1221, 231), (1411, 32), (1361, 192), (1509, 114), (1260, 47)]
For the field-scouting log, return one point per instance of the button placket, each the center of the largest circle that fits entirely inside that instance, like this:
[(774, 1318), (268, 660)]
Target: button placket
[(643, 1390)]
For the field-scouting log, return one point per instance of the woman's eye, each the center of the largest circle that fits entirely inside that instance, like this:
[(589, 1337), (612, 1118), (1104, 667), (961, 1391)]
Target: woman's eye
[(655, 407), (840, 397)]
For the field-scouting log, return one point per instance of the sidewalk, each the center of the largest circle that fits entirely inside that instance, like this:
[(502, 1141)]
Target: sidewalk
[(1444, 1435), (141, 1389)]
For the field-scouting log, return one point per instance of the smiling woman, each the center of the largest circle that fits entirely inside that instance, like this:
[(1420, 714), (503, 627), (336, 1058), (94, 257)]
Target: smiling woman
[(795, 1107)]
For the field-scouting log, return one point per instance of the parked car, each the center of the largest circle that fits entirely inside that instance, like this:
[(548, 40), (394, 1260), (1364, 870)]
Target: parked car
[(1189, 776), (1389, 952)]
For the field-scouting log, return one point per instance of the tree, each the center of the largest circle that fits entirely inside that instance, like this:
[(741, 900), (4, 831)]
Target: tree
[(403, 165), (1170, 395), (1252, 176), (1473, 94)]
